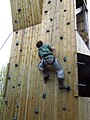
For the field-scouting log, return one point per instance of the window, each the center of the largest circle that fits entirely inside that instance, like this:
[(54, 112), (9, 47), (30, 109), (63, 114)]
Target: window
[(83, 75)]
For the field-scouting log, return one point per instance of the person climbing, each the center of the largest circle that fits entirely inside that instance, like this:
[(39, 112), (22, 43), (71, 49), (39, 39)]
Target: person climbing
[(46, 56)]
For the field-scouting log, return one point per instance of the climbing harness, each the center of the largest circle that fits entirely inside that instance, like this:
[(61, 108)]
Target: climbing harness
[(48, 63)]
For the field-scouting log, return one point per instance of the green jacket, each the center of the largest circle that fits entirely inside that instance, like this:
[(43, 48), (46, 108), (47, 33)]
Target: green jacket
[(45, 51)]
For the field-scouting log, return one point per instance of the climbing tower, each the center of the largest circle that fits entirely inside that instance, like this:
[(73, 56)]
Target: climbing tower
[(62, 24)]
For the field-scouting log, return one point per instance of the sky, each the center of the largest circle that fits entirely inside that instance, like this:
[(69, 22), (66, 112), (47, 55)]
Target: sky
[(6, 29)]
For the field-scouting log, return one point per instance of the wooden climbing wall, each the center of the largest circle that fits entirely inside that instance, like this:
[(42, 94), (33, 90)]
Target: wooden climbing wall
[(26, 13), (27, 97)]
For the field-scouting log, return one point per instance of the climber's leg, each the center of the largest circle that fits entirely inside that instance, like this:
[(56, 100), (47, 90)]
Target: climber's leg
[(43, 68)]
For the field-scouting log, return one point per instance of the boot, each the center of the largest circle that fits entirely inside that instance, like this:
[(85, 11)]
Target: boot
[(62, 86), (46, 75), (68, 88), (61, 83)]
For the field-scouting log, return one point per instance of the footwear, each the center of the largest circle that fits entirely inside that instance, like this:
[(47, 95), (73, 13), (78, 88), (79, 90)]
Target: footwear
[(67, 88), (62, 86), (46, 75), (61, 82), (46, 78)]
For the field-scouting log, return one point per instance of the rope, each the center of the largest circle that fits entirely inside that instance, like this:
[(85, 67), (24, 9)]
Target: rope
[(5, 41)]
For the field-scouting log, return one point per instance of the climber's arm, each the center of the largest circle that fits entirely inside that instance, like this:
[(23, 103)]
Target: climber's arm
[(39, 56), (51, 48)]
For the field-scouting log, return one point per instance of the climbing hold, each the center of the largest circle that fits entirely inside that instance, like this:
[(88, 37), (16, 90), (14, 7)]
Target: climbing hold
[(20, 50), (45, 11), (36, 110), (15, 21), (6, 102), (16, 65), (48, 31), (44, 95), (69, 72), (19, 84), (9, 78), (16, 32), (4, 95), (13, 87), (64, 10), (17, 106), (61, 37), (49, 2), (19, 10), (64, 108), (17, 44), (51, 19), (64, 59), (68, 23)]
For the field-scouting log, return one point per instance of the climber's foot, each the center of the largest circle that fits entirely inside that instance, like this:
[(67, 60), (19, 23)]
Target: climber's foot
[(67, 88), (46, 78)]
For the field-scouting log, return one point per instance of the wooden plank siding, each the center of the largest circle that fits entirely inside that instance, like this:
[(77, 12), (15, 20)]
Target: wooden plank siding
[(26, 13), (84, 108), (26, 87)]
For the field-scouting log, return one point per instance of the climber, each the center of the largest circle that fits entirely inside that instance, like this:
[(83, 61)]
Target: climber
[(47, 58)]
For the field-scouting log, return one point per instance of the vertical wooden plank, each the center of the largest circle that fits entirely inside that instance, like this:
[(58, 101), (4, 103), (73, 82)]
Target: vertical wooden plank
[(26, 13), (83, 109)]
